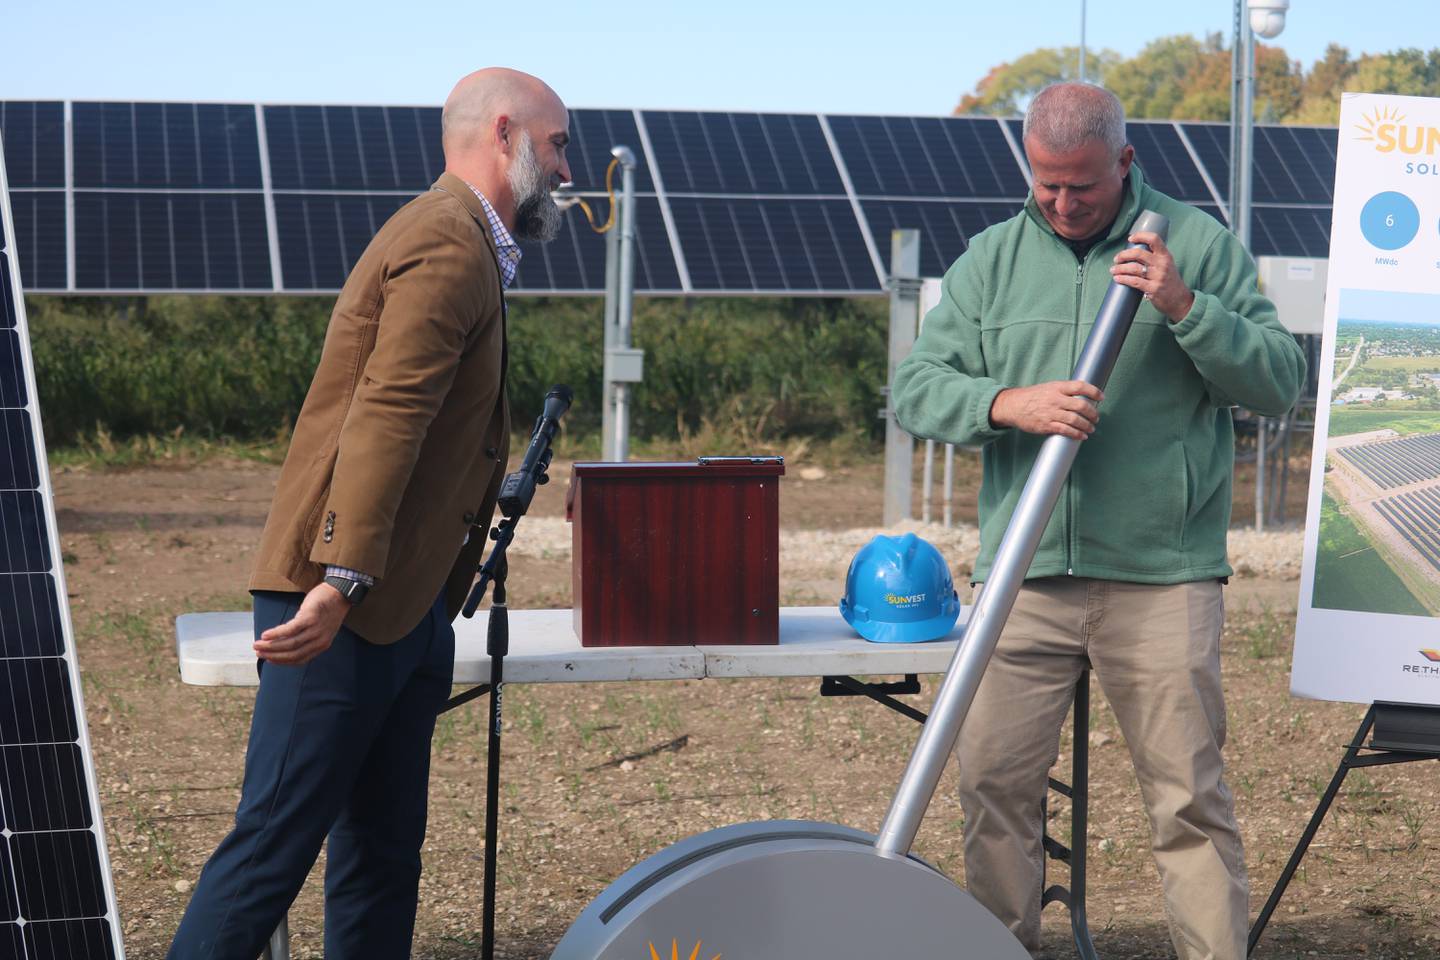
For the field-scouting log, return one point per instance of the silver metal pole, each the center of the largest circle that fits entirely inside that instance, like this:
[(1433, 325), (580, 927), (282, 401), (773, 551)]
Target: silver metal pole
[(612, 306), (904, 319), (1012, 562), (278, 946), (927, 481), (949, 483), (625, 301), (1261, 423), (1232, 189), (1082, 41), (1244, 133)]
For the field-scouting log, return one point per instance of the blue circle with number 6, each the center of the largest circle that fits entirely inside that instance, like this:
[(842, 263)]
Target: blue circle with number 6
[(1390, 220)]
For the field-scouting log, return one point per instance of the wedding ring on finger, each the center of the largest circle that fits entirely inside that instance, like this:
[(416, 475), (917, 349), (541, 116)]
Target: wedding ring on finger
[(1144, 270)]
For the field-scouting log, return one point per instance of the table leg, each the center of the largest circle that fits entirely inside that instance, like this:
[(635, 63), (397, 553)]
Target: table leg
[(1080, 818)]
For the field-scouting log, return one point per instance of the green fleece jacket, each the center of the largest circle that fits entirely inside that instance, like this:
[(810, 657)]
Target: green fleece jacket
[(1148, 499)]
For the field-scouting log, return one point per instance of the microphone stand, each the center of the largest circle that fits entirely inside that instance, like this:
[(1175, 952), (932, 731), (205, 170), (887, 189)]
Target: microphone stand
[(516, 493)]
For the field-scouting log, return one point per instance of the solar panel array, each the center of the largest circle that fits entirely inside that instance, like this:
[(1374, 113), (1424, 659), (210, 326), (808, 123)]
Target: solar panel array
[(1396, 463), (160, 197), (1416, 517), (56, 897)]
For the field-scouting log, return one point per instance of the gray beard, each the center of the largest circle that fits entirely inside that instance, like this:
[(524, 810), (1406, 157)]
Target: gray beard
[(537, 217)]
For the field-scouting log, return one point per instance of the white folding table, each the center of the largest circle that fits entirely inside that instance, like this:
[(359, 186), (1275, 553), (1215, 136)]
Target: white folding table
[(215, 650)]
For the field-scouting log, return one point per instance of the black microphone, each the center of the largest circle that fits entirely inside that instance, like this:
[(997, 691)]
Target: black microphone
[(518, 489)]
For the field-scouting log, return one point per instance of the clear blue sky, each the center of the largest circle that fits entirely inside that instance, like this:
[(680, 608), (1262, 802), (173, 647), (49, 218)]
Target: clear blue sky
[(837, 56)]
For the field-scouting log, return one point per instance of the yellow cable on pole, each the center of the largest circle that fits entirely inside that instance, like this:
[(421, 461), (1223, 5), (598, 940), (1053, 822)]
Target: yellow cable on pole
[(609, 223)]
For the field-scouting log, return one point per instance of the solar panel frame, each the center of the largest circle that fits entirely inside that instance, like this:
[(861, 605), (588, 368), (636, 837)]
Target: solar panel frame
[(128, 145), (1291, 161), (1166, 163), (733, 245), (54, 863), (1298, 231), (936, 157), (742, 154), (1212, 145), (39, 220), (946, 227), (322, 235), (574, 262), (34, 142), (125, 148), (323, 148), (148, 240), (593, 132), (1307, 150)]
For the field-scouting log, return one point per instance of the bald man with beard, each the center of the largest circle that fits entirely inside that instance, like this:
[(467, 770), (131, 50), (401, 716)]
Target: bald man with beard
[(377, 527)]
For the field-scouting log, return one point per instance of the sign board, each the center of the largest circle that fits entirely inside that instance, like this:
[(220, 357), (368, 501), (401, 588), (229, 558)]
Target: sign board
[(1369, 613)]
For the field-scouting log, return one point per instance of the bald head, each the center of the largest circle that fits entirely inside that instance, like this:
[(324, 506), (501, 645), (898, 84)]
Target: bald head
[(505, 134), (1064, 117), (484, 96)]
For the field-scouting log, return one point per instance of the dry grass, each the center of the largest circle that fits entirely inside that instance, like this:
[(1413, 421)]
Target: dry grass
[(598, 776)]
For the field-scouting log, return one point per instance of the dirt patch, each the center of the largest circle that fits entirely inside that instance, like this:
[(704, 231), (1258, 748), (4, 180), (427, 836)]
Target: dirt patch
[(141, 547)]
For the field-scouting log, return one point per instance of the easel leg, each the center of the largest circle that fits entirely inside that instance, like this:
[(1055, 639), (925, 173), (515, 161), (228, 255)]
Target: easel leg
[(1310, 830)]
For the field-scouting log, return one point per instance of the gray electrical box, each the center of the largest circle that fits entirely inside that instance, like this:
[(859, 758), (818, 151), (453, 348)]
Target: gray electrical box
[(1297, 286), (624, 365)]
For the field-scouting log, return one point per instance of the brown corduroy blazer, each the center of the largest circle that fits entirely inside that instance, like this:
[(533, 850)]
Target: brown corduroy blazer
[(400, 446)]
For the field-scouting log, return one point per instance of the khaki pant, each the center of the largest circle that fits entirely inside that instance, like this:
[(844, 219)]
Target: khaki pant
[(1155, 651)]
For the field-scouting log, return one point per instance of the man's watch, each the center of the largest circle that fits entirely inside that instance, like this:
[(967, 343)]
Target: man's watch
[(352, 590)]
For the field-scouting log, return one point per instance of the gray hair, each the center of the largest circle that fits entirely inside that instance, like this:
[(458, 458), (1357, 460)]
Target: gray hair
[(1066, 116)]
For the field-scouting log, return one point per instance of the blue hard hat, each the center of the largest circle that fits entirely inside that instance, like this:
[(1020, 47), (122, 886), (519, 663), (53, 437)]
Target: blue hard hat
[(899, 590)]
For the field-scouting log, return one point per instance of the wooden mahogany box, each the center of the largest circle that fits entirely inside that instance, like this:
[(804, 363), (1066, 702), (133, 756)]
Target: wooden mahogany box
[(676, 553)]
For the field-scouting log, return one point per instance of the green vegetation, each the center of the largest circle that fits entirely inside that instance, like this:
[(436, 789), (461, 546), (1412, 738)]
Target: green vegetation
[(1266, 634), (164, 377), (1407, 364), (1404, 417), (1188, 78), (1351, 575)]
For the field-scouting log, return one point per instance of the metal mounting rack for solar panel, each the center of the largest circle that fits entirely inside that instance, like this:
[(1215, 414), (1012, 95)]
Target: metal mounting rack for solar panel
[(277, 198), (57, 900)]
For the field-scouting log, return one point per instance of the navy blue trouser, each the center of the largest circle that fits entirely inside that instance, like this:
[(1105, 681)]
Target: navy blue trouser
[(339, 747)]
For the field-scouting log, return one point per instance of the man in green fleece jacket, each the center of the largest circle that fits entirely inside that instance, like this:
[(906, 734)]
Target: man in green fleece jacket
[(1128, 575)]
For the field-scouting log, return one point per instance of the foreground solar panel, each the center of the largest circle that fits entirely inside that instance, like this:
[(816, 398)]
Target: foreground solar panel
[(57, 901)]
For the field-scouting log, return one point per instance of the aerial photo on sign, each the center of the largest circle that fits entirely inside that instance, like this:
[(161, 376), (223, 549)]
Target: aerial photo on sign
[(1379, 547)]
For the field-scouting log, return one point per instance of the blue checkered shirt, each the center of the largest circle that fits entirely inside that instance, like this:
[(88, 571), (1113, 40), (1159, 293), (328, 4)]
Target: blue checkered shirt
[(509, 253), (505, 245)]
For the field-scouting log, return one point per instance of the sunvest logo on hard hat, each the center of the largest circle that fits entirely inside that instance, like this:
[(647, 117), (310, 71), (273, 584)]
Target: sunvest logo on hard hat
[(896, 600), (675, 952), (1387, 129)]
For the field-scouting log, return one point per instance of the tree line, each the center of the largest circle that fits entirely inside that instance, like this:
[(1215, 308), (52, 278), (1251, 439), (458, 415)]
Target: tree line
[(1184, 77)]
